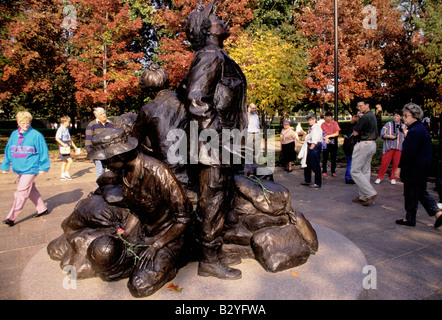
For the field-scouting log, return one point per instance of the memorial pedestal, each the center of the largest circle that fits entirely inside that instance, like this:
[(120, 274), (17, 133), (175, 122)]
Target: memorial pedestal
[(334, 272)]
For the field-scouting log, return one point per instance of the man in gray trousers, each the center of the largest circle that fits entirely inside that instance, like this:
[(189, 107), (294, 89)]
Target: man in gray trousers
[(367, 132)]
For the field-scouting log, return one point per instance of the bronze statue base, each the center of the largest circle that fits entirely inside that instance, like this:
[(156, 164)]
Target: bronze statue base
[(323, 277)]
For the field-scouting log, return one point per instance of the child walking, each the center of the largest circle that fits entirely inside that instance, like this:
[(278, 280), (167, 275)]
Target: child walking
[(63, 137)]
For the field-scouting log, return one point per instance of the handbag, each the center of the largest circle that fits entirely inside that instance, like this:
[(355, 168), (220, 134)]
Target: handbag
[(65, 150), (332, 140)]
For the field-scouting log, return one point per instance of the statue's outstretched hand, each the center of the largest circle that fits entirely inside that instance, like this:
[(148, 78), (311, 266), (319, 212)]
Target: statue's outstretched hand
[(147, 256)]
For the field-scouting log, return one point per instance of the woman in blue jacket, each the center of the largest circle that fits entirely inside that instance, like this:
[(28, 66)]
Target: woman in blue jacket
[(27, 153), (414, 167)]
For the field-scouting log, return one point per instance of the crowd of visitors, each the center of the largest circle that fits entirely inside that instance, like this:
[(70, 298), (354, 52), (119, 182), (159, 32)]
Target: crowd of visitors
[(406, 149), (406, 145)]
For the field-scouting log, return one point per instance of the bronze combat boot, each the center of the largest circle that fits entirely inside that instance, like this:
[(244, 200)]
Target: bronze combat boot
[(211, 266)]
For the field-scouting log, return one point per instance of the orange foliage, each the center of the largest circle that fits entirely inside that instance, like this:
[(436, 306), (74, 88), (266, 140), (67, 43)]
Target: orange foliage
[(175, 54), (103, 67), (361, 50)]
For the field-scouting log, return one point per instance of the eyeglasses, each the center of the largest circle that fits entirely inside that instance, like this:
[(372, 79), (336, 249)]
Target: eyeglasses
[(24, 123)]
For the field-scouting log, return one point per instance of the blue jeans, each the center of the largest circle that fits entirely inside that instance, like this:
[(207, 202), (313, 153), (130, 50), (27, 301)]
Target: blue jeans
[(348, 170), (99, 168), (313, 164)]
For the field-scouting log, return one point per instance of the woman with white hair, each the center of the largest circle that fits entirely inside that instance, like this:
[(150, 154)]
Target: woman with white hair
[(27, 153), (100, 123), (414, 167)]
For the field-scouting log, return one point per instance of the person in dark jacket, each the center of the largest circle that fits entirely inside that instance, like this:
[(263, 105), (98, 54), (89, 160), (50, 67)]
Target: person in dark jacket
[(414, 167)]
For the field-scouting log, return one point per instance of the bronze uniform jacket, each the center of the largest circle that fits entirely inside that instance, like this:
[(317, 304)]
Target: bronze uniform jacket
[(214, 94), (155, 194)]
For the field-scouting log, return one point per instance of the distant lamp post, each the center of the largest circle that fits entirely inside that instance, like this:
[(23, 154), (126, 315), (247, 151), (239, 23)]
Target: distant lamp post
[(336, 60)]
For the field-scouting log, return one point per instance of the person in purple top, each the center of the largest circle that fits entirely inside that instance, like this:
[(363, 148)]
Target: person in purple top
[(27, 153)]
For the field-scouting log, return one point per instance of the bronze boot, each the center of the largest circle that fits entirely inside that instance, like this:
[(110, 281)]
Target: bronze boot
[(211, 266), (218, 270), (229, 259)]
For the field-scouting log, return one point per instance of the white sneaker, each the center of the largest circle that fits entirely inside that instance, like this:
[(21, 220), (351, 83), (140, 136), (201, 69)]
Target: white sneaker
[(393, 181), (67, 176), (439, 205), (377, 181)]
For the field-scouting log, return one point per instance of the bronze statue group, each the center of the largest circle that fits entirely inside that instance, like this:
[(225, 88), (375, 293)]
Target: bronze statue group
[(150, 215)]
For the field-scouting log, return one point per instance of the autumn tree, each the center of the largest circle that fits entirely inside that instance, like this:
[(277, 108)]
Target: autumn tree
[(105, 70), (429, 69), (423, 25), (175, 52), (278, 16), (33, 71), (147, 39), (365, 34), (275, 70)]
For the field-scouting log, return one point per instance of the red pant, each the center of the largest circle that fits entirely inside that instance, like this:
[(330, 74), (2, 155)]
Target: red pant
[(392, 154), (26, 189)]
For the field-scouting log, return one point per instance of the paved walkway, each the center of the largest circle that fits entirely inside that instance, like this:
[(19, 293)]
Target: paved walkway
[(407, 261)]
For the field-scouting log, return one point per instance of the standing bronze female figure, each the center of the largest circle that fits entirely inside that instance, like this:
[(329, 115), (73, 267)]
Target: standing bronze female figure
[(214, 94)]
